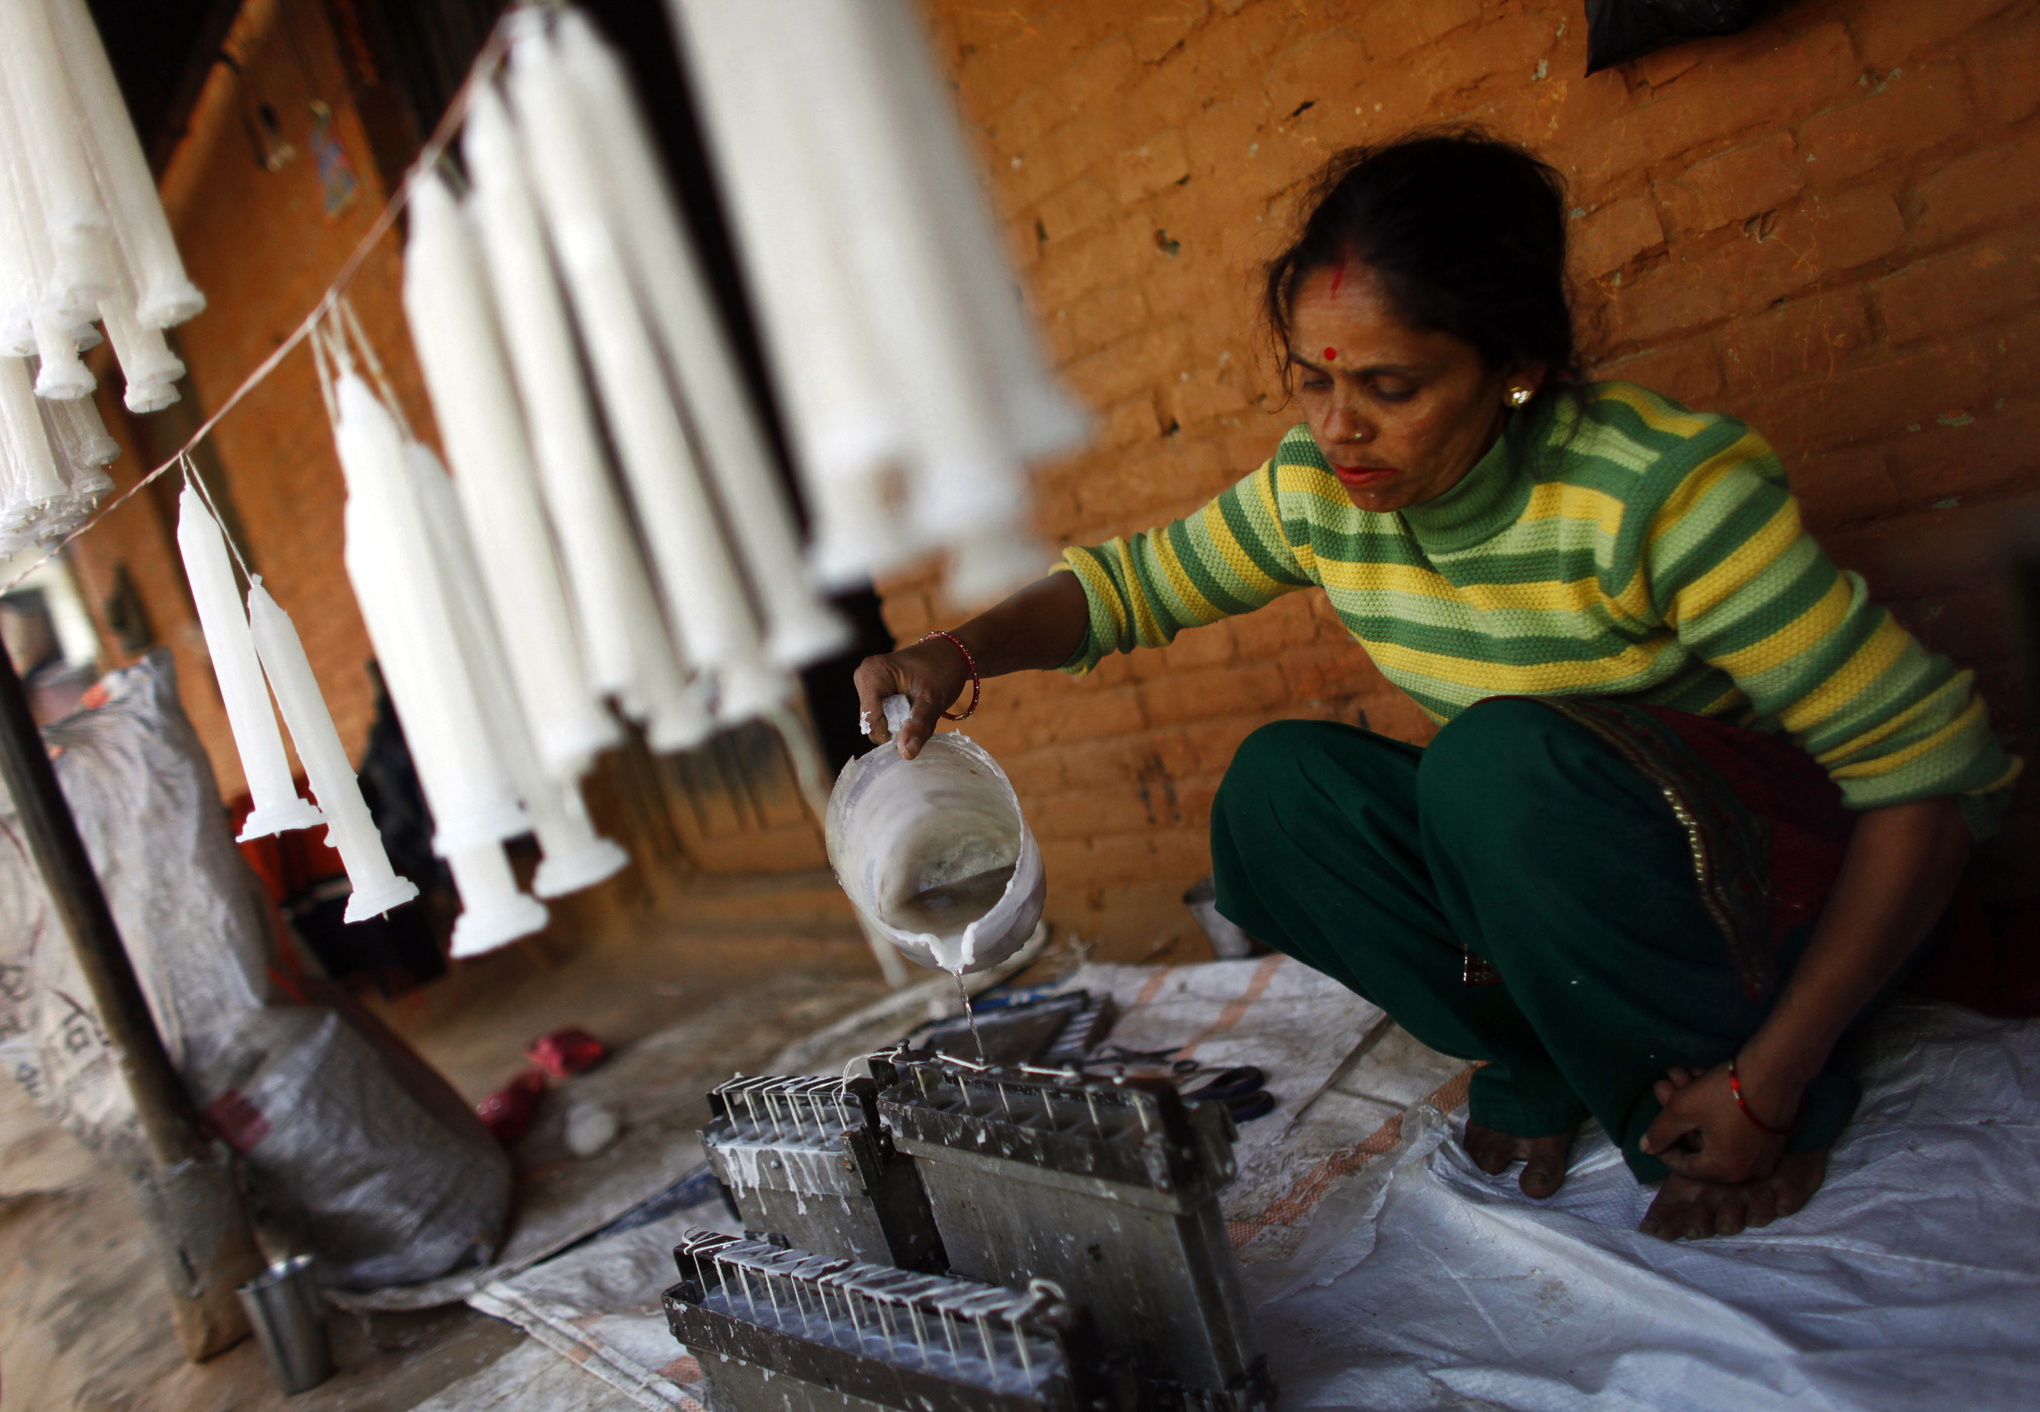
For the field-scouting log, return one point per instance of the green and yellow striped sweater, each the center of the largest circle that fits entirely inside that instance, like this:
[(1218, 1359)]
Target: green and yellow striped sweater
[(1614, 544)]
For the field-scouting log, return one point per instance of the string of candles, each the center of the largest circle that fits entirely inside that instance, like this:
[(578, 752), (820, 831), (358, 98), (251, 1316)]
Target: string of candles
[(615, 532), (83, 241), (914, 382)]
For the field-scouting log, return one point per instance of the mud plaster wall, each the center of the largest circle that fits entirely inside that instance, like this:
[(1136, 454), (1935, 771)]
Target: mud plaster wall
[(1825, 225)]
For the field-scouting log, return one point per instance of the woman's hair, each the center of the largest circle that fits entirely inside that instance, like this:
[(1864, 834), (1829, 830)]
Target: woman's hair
[(1467, 233)]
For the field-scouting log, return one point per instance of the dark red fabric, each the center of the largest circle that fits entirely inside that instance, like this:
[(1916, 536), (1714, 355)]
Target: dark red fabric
[(508, 1111), (1990, 964), (564, 1053)]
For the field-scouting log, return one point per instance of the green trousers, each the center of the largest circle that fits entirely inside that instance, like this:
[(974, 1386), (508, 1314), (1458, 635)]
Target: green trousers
[(1524, 836)]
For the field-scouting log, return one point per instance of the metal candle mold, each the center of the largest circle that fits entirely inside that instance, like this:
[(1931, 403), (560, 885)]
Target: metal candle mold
[(1111, 1190), (808, 1162), (775, 1328)]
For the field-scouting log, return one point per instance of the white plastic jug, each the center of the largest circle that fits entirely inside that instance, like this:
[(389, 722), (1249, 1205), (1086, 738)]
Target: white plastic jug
[(934, 851)]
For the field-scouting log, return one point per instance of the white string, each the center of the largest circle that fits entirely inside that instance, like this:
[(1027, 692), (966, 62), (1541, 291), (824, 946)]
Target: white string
[(484, 68), (351, 324), (196, 480)]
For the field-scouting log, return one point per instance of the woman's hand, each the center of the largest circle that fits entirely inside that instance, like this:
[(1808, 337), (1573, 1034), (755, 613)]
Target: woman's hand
[(1037, 628), (1703, 1133), (931, 675)]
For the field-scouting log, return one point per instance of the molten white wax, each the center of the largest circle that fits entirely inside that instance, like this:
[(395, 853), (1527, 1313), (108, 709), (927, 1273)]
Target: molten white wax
[(232, 648), (351, 831)]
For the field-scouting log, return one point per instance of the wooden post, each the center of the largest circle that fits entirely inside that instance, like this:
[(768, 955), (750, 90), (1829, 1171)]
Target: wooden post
[(190, 1199)]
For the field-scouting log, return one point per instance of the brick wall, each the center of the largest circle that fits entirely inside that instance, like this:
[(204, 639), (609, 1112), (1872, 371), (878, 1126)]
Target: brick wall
[(1825, 225), (262, 246)]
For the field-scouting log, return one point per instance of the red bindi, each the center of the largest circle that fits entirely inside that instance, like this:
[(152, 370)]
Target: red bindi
[(1331, 354)]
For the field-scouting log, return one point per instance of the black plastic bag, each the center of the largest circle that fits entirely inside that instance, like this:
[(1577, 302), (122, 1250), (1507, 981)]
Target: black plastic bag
[(1620, 30)]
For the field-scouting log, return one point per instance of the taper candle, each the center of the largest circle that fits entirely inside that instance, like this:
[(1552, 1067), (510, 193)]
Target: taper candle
[(572, 855), (45, 112), (351, 830), (459, 346), (699, 581), (390, 562), (232, 648), (493, 910), (165, 294), (845, 415), (799, 627), (624, 641)]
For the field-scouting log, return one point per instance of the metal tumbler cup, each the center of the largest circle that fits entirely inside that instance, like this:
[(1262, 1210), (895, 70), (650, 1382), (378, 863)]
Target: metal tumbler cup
[(290, 1323)]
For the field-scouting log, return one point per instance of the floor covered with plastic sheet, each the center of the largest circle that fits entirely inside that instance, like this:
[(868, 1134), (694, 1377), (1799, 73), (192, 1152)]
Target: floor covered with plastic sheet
[(1392, 1275), (1911, 1282)]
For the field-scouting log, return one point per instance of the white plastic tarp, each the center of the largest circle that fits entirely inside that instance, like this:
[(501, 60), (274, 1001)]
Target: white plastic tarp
[(1911, 1282)]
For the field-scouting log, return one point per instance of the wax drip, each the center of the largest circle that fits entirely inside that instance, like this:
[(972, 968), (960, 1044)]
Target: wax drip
[(970, 1017)]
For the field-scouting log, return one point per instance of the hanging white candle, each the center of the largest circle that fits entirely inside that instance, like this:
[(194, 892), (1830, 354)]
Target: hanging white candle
[(390, 562), (846, 421), (36, 477), (800, 628), (146, 362), (50, 315), (494, 911), (459, 346), (964, 471), (45, 110), (165, 294), (699, 581), (79, 433), (573, 856), (623, 640), (17, 274), (1039, 416), (351, 830), (232, 649)]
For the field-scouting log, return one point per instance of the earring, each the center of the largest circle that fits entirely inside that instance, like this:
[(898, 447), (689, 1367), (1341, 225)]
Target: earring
[(1519, 396)]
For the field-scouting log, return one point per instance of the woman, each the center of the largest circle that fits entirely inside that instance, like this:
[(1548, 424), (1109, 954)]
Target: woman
[(1695, 803)]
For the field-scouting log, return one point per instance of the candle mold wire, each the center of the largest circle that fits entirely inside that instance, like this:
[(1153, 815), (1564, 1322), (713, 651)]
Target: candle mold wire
[(807, 1160), (777, 1328), (1109, 1188)]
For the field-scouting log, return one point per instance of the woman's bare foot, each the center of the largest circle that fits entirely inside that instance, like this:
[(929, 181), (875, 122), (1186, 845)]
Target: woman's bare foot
[(1693, 1210), (1544, 1158)]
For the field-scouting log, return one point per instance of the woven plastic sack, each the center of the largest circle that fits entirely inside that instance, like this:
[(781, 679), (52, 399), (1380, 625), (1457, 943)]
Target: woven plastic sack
[(1621, 30), (353, 1146)]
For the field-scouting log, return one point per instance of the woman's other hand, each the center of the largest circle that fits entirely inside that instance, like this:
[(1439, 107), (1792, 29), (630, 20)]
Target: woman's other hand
[(931, 675), (1702, 1133)]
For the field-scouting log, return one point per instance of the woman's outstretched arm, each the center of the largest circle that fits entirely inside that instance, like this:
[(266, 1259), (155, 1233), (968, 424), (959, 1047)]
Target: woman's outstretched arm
[(1037, 629)]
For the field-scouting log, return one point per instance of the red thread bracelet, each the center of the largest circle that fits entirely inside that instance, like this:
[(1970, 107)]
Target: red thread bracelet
[(976, 686), (1735, 1087)]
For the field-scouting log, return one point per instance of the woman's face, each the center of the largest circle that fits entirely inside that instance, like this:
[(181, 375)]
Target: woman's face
[(1401, 413)]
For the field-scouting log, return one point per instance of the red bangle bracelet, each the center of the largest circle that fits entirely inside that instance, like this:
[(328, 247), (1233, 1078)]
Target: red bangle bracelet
[(976, 686), (1735, 1087)]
